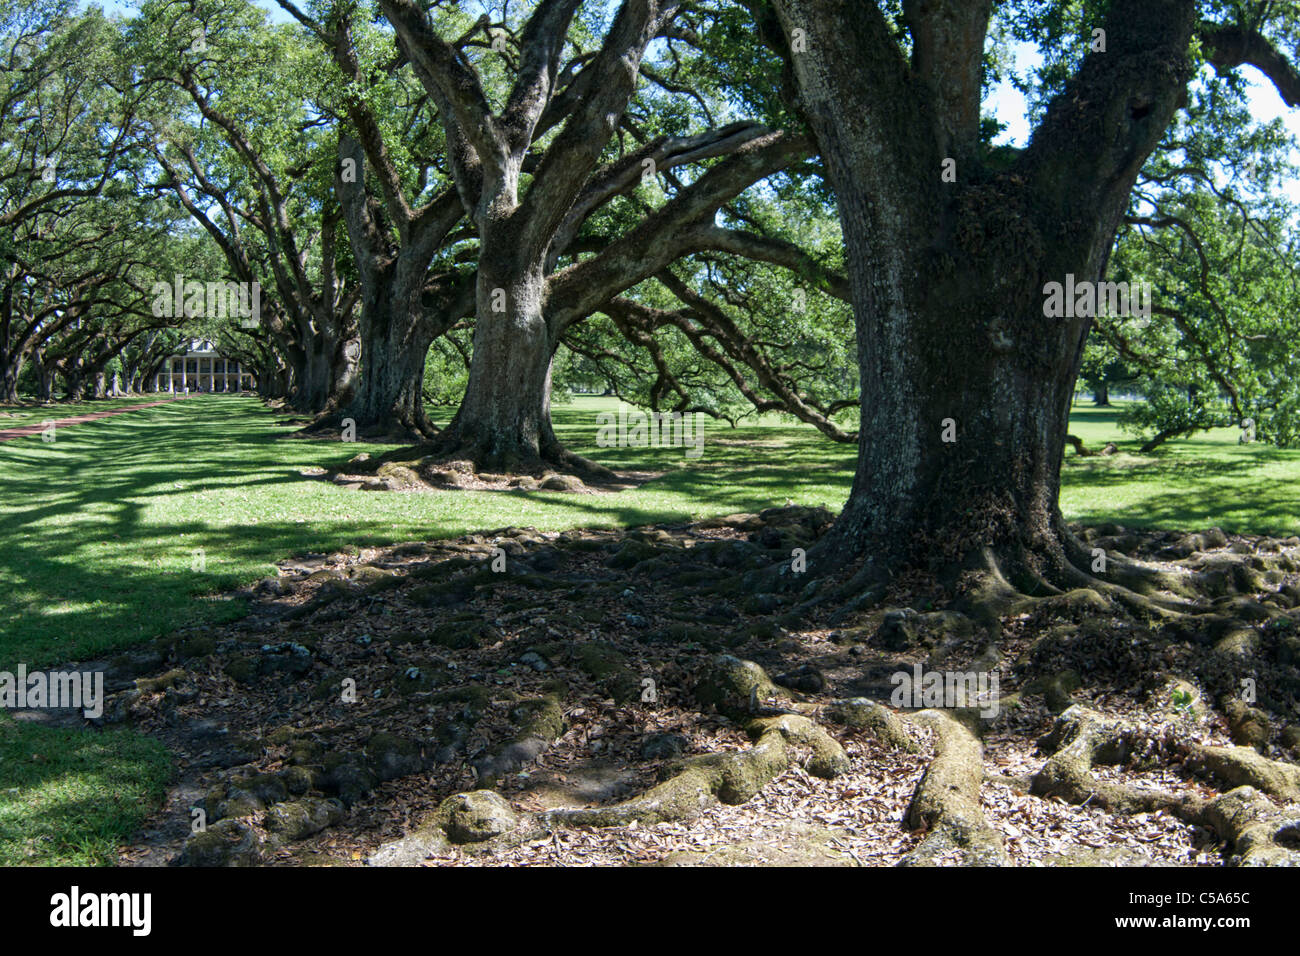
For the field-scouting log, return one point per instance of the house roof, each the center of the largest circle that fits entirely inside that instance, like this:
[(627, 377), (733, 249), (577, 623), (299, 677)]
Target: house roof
[(199, 347)]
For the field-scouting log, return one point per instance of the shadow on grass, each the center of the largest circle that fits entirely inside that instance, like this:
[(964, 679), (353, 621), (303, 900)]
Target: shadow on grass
[(99, 530), (71, 797), (102, 529)]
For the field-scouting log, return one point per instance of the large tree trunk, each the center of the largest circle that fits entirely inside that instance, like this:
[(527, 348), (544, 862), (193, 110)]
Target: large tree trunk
[(963, 423), (76, 386), (272, 380), (948, 278), (388, 396), (397, 325), (504, 420), (44, 379), (323, 370), (313, 377), (11, 368), (1101, 394)]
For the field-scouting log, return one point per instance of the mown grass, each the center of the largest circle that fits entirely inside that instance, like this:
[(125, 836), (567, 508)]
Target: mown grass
[(128, 527), (125, 528), (69, 797), (1206, 480), (32, 413)]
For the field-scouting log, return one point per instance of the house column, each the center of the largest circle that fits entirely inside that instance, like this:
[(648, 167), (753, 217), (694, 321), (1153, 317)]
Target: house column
[(185, 371), (225, 374), (212, 375)]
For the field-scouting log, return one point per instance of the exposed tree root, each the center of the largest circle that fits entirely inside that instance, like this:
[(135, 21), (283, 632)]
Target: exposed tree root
[(330, 425), (733, 777), (1257, 832), (1064, 640), (990, 582), (487, 456), (947, 800), (859, 713), (1243, 766), (988, 592), (540, 722), (1082, 738), (444, 464), (735, 687), (1124, 577)]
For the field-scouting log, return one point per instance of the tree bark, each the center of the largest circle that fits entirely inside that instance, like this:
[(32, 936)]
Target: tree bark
[(966, 382), (1160, 437), (388, 396), (504, 420), (11, 368), (403, 309), (323, 373)]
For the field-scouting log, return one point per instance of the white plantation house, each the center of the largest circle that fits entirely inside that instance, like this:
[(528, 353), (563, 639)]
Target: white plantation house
[(201, 368)]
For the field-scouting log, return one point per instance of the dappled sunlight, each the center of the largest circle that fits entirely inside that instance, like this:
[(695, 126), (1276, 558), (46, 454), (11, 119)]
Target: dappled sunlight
[(104, 522)]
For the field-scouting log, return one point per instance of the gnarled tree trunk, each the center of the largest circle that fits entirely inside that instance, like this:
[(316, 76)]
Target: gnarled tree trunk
[(388, 397), (966, 381), (402, 308), (11, 367), (323, 373), (504, 420)]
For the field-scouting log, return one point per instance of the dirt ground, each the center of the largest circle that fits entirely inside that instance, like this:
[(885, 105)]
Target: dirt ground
[(603, 698)]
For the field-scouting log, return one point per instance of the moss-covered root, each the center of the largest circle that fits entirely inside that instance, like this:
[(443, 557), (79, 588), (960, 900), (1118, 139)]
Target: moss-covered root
[(1257, 832), (476, 817), (1081, 738), (733, 777), (828, 758), (1244, 767), (947, 800), (737, 688), (859, 713), (539, 722)]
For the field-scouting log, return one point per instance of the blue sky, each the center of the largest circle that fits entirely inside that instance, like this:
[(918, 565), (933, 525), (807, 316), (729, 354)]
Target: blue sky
[(1006, 103)]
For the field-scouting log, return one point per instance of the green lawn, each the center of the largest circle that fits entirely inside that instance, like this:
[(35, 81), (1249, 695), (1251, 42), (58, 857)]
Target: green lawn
[(99, 533), (16, 416), (1198, 482), (99, 529), (69, 797)]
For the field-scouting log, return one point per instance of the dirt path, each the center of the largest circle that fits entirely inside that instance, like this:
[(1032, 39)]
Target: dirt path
[(7, 433)]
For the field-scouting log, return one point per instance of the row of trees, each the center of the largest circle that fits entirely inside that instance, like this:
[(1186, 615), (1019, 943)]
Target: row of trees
[(544, 184), (690, 198)]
